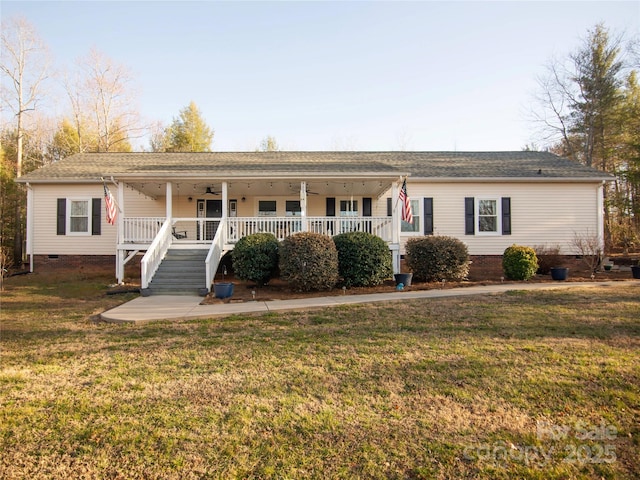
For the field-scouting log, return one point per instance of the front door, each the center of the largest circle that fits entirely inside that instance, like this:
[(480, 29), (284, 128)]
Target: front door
[(208, 209)]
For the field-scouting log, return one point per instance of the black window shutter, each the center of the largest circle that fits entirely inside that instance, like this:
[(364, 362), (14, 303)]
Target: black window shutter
[(389, 207), (428, 216), (331, 207), (469, 220), (62, 216), (366, 206), (506, 215), (95, 216)]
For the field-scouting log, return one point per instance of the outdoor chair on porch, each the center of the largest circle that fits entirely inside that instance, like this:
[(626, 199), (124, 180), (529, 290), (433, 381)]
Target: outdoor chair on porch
[(178, 235)]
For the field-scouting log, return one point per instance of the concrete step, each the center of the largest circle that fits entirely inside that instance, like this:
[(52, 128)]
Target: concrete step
[(182, 272)]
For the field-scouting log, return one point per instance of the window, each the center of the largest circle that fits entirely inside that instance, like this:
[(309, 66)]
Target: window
[(487, 216), (79, 212), (348, 208), (78, 216), (293, 208), (415, 226), (267, 208)]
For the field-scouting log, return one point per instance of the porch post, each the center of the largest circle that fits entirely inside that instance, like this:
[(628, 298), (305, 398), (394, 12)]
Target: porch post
[(303, 206), (225, 200), (396, 227), (121, 212), (120, 254), (225, 211), (169, 201)]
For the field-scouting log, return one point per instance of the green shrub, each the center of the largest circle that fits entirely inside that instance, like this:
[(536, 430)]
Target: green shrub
[(364, 259), (437, 258), (519, 263), (309, 261), (255, 258)]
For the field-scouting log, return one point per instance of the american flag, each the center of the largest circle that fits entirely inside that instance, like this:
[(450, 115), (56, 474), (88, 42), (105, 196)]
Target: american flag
[(407, 214), (110, 206)]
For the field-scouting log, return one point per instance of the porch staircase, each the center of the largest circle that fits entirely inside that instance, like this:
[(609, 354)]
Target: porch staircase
[(182, 272)]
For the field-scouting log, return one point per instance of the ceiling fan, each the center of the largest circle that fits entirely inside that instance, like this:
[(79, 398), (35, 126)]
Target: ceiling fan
[(309, 192), (210, 191)]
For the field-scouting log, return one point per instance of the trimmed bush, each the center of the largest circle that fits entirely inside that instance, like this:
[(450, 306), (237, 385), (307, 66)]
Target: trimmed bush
[(437, 258), (519, 262), (255, 258), (309, 261), (364, 260)]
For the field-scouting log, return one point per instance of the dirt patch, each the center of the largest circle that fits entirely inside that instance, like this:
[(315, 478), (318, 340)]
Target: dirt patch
[(278, 289)]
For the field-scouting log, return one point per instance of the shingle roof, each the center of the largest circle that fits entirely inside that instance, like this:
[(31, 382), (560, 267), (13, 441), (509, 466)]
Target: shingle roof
[(434, 165)]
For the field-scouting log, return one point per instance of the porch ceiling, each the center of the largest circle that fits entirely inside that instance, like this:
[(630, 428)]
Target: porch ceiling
[(264, 188)]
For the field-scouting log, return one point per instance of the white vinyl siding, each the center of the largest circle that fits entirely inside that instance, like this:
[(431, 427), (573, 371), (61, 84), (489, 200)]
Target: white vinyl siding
[(541, 213), (44, 237)]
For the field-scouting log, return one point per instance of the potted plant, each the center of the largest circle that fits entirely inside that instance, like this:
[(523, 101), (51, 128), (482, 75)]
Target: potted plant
[(403, 278), (223, 290), (559, 273)]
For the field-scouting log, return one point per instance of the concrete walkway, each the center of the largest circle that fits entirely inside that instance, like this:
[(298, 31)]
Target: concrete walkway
[(180, 307)]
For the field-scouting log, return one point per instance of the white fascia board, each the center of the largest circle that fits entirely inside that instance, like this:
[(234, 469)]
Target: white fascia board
[(512, 179)]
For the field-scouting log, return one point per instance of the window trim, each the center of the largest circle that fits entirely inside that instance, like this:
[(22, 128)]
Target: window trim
[(89, 216), (498, 216)]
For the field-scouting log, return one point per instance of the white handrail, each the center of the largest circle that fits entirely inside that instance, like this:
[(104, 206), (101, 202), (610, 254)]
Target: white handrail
[(154, 255), (215, 252)]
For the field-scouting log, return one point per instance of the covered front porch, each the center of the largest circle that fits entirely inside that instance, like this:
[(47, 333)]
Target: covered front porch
[(215, 215)]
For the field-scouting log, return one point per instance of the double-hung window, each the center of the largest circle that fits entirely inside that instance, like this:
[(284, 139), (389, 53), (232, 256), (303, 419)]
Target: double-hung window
[(79, 217), (414, 227), (488, 216)]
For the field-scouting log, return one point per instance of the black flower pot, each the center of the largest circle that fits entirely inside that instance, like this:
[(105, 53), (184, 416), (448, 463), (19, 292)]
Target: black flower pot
[(635, 271), (559, 273), (403, 278)]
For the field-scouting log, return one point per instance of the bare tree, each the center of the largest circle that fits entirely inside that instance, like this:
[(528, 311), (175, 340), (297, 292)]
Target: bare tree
[(102, 105), (24, 63)]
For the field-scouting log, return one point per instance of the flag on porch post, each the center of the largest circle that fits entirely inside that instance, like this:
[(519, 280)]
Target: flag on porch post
[(110, 206), (407, 214)]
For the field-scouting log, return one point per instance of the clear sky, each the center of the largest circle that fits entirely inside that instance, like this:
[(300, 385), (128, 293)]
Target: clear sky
[(333, 75)]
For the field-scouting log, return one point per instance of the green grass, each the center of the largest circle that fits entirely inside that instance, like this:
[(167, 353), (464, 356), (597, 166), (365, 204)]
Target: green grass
[(449, 388)]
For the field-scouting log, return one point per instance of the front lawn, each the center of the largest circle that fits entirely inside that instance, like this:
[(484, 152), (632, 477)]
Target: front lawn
[(522, 385)]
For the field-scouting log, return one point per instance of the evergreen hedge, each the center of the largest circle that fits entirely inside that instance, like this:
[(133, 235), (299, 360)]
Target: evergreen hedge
[(364, 259), (309, 261), (435, 258), (255, 258), (519, 262)]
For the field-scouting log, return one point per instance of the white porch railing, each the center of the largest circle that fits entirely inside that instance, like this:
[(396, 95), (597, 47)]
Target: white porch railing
[(141, 229), (379, 226), (158, 248), (282, 227), (138, 230), (215, 255)]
